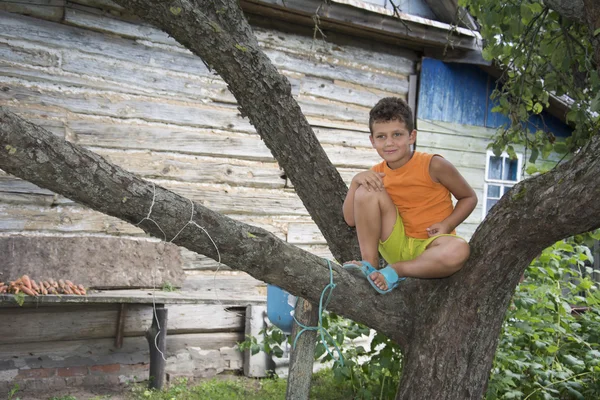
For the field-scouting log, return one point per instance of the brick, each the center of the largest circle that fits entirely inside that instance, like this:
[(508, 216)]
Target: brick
[(38, 373), (105, 369), (72, 371), (101, 380), (8, 375), (74, 381)]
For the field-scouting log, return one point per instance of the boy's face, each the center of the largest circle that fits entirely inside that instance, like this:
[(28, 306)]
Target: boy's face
[(392, 141)]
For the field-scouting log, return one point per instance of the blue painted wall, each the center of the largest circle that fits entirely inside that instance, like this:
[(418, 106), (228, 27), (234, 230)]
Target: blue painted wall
[(459, 93)]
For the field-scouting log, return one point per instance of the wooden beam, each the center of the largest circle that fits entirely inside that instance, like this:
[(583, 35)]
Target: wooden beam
[(120, 325), (409, 31), (445, 10)]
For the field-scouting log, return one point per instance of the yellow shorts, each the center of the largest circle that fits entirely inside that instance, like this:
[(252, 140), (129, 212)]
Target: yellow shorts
[(399, 247)]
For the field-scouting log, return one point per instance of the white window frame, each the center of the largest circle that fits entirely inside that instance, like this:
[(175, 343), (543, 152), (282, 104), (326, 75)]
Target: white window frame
[(498, 182)]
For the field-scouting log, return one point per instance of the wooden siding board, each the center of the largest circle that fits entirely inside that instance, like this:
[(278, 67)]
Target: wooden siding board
[(55, 354), (99, 321), (452, 93), (90, 19), (17, 51), (198, 169), (365, 55), (45, 9), (338, 91), (117, 105)]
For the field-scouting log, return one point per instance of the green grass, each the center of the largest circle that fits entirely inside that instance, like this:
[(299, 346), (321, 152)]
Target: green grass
[(323, 387)]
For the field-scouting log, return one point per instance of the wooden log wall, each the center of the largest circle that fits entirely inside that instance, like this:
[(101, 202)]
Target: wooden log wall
[(99, 78)]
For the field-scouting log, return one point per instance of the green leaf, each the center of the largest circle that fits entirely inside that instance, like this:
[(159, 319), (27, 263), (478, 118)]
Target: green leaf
[(531, 169), (552, 349), (537, 108), (571, 360)]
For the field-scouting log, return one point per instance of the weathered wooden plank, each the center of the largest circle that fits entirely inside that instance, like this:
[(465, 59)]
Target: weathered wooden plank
[(101, 132), (238, 200), (23, 52), (199, 169), (62, 353), (100, 4), (44, 9), (343, 92), (122, 77), (219, 283), (186, 318), (15, 26), (59, 219), (146, 79), (99, 321), (351, 53), (89, 18), (124, 106), (306, 64), (455, 129)]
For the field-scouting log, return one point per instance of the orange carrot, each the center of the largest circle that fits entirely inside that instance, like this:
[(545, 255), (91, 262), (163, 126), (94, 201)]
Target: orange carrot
[(28, 291), (34, 285), (82, 289), (26, 281)]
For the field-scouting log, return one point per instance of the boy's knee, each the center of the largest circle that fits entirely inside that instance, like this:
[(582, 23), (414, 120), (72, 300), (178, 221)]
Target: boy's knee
[(457, 253), (363, 195)]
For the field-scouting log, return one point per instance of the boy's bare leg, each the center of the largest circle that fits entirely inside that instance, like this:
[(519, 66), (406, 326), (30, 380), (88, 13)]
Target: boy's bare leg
[(443, 257), (374, 216)]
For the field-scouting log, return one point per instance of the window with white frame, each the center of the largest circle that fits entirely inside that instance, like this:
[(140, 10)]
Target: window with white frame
[(501, 174)]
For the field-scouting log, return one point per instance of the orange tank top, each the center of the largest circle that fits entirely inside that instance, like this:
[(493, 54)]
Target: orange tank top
[(420, 201)]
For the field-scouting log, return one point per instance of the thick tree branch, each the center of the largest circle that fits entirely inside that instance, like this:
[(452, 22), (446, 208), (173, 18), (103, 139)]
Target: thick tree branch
[(217, 31)]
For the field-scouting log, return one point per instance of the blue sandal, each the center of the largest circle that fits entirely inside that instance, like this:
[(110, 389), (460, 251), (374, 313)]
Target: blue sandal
[(389, 274), (366, 268), (391, 279)]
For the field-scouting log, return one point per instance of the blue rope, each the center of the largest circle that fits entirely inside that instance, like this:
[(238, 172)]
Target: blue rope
[(322, 331)]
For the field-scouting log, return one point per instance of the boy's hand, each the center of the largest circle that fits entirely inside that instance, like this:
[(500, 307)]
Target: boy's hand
[(370, 179), (438, 229)]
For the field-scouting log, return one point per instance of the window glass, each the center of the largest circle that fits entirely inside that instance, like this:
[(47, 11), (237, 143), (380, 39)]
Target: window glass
[(493, 191), (502, 174), (510, 169), (495, 168)]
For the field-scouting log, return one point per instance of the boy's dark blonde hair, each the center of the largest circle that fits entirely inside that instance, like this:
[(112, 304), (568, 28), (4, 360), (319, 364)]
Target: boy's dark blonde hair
[(391, 109)]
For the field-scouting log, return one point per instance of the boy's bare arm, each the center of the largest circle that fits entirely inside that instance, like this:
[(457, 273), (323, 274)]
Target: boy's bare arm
[(442, 171), (370, 179)]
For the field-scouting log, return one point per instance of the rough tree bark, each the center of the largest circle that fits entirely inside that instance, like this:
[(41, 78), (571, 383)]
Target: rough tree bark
[(447, 328)]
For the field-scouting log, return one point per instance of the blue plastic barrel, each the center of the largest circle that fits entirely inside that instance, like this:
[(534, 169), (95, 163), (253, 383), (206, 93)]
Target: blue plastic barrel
[(280, 308)]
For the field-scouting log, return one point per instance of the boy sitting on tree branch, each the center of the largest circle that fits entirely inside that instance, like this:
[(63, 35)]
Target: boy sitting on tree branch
[(402, 207)]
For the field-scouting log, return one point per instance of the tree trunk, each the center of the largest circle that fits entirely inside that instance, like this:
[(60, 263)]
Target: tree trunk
[(447, 328)]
